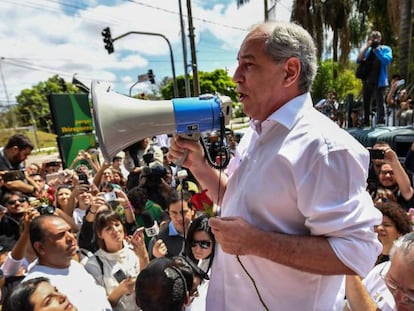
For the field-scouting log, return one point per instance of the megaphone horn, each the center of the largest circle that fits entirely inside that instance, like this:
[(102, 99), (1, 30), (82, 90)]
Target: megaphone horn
[(121, 121)]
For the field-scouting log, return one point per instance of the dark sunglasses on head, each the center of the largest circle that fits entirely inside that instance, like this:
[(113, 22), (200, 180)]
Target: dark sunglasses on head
[(21, 200), (203, 244)]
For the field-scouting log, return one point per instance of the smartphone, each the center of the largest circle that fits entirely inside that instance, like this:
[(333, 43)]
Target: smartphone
[(376, 154), (59, 175), (110, 196), (13, 175), (83, 179), (120, 276), (400, 82)]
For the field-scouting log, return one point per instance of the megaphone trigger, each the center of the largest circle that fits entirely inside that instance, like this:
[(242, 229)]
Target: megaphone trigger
[(194, 136)]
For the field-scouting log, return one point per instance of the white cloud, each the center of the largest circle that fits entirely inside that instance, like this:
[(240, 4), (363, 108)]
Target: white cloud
[(42, 38)]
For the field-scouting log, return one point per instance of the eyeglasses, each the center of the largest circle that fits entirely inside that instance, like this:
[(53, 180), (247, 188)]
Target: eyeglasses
[(393, 286), (12, 202), (202, 243)]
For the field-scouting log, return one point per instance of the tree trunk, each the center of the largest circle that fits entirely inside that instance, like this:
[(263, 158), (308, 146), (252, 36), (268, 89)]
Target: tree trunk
[(405, 38)]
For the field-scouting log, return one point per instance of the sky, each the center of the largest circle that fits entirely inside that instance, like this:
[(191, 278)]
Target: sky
[(42, 38)]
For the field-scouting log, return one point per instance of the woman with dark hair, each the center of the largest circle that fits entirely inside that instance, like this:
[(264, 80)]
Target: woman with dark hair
[(118, 260), (395, 223), (200, 243), (35, 295), (199, 247)]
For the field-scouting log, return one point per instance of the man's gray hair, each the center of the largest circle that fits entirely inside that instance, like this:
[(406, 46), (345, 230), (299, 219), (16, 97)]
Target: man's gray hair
[(285, 40), (404, 246)]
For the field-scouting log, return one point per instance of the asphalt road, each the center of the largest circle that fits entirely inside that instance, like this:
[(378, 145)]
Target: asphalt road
[(42, 157)]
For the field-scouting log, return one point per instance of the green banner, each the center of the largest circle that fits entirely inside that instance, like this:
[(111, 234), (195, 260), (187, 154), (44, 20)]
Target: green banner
[(71, 113), (70, 145), (73, 124)]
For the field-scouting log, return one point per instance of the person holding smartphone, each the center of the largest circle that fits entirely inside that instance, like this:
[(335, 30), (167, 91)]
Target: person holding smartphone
[(12, 157), (118, 260), (390, 174)]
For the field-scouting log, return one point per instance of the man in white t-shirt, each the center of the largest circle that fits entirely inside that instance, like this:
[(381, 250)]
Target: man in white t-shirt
[(55, 246)]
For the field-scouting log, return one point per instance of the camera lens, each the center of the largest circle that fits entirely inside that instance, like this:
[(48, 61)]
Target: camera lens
[(46, 209)]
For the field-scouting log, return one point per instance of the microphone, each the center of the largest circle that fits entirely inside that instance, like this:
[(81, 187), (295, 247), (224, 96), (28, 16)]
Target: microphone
[(150, 225)]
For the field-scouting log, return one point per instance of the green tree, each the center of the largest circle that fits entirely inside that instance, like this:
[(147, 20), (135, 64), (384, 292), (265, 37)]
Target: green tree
[(33, 105), (344, 84), (217, 81)]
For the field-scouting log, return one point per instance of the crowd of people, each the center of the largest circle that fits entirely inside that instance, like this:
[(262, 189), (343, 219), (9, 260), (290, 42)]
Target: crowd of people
[(82, 231), (301, 219)]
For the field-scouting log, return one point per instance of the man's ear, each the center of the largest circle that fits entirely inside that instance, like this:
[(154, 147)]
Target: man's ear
[(38, 247), (15, 150), (292, 69)]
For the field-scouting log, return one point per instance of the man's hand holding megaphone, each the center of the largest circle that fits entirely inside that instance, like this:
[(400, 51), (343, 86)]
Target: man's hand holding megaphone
[(187, 151)]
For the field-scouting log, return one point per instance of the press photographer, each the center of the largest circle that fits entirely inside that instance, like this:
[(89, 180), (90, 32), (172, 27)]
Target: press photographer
[(152, 179), (373, 61), (138, 155)]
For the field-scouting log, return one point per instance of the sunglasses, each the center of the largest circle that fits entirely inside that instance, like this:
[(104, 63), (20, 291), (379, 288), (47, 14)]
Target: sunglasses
[(203, 244), (12, 202)]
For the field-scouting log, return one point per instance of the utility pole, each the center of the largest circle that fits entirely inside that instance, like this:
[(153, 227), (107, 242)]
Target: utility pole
[(13, 113), (196, 84), (184, 43)]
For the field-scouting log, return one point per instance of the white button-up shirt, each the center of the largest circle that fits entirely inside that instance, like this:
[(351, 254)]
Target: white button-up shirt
[(300, 174)]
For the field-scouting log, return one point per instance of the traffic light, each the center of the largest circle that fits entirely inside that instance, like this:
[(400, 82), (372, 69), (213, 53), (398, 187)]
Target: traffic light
[(151, 76), (107, 39)]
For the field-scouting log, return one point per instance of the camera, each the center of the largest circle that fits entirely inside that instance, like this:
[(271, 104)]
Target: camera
[(109, 196), (46, 209), (153, 175), (42, 207), (13, 175), (375, 44), (376, 154), (148, 157)]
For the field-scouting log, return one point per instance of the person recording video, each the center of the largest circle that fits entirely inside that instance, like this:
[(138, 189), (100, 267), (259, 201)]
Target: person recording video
[(138, 155), (376, 58)]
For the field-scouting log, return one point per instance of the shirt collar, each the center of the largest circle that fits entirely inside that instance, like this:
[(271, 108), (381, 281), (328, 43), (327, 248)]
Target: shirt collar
[(287, 115), (172, 231)]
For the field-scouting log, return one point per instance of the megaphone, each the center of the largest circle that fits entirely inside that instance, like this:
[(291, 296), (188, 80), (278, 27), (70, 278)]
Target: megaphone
[(121, 120)]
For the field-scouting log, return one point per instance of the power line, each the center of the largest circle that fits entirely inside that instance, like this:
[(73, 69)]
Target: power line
[(177, 13), (34, 67)]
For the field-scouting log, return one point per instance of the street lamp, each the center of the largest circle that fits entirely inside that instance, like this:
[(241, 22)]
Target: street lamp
[(148, 34)]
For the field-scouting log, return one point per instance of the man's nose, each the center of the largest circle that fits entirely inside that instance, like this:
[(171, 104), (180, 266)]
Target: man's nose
[(237, 76)]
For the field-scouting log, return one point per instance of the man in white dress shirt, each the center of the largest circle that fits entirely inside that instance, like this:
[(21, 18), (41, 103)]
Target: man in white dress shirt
[(295, 215)]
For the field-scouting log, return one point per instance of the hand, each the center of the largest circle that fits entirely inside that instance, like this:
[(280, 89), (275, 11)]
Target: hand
[(137, 240), (159, 249), (127, 286), (28, 216), (390, 156), (105, 165), (177, 150), (99, 204), (235, 235)]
